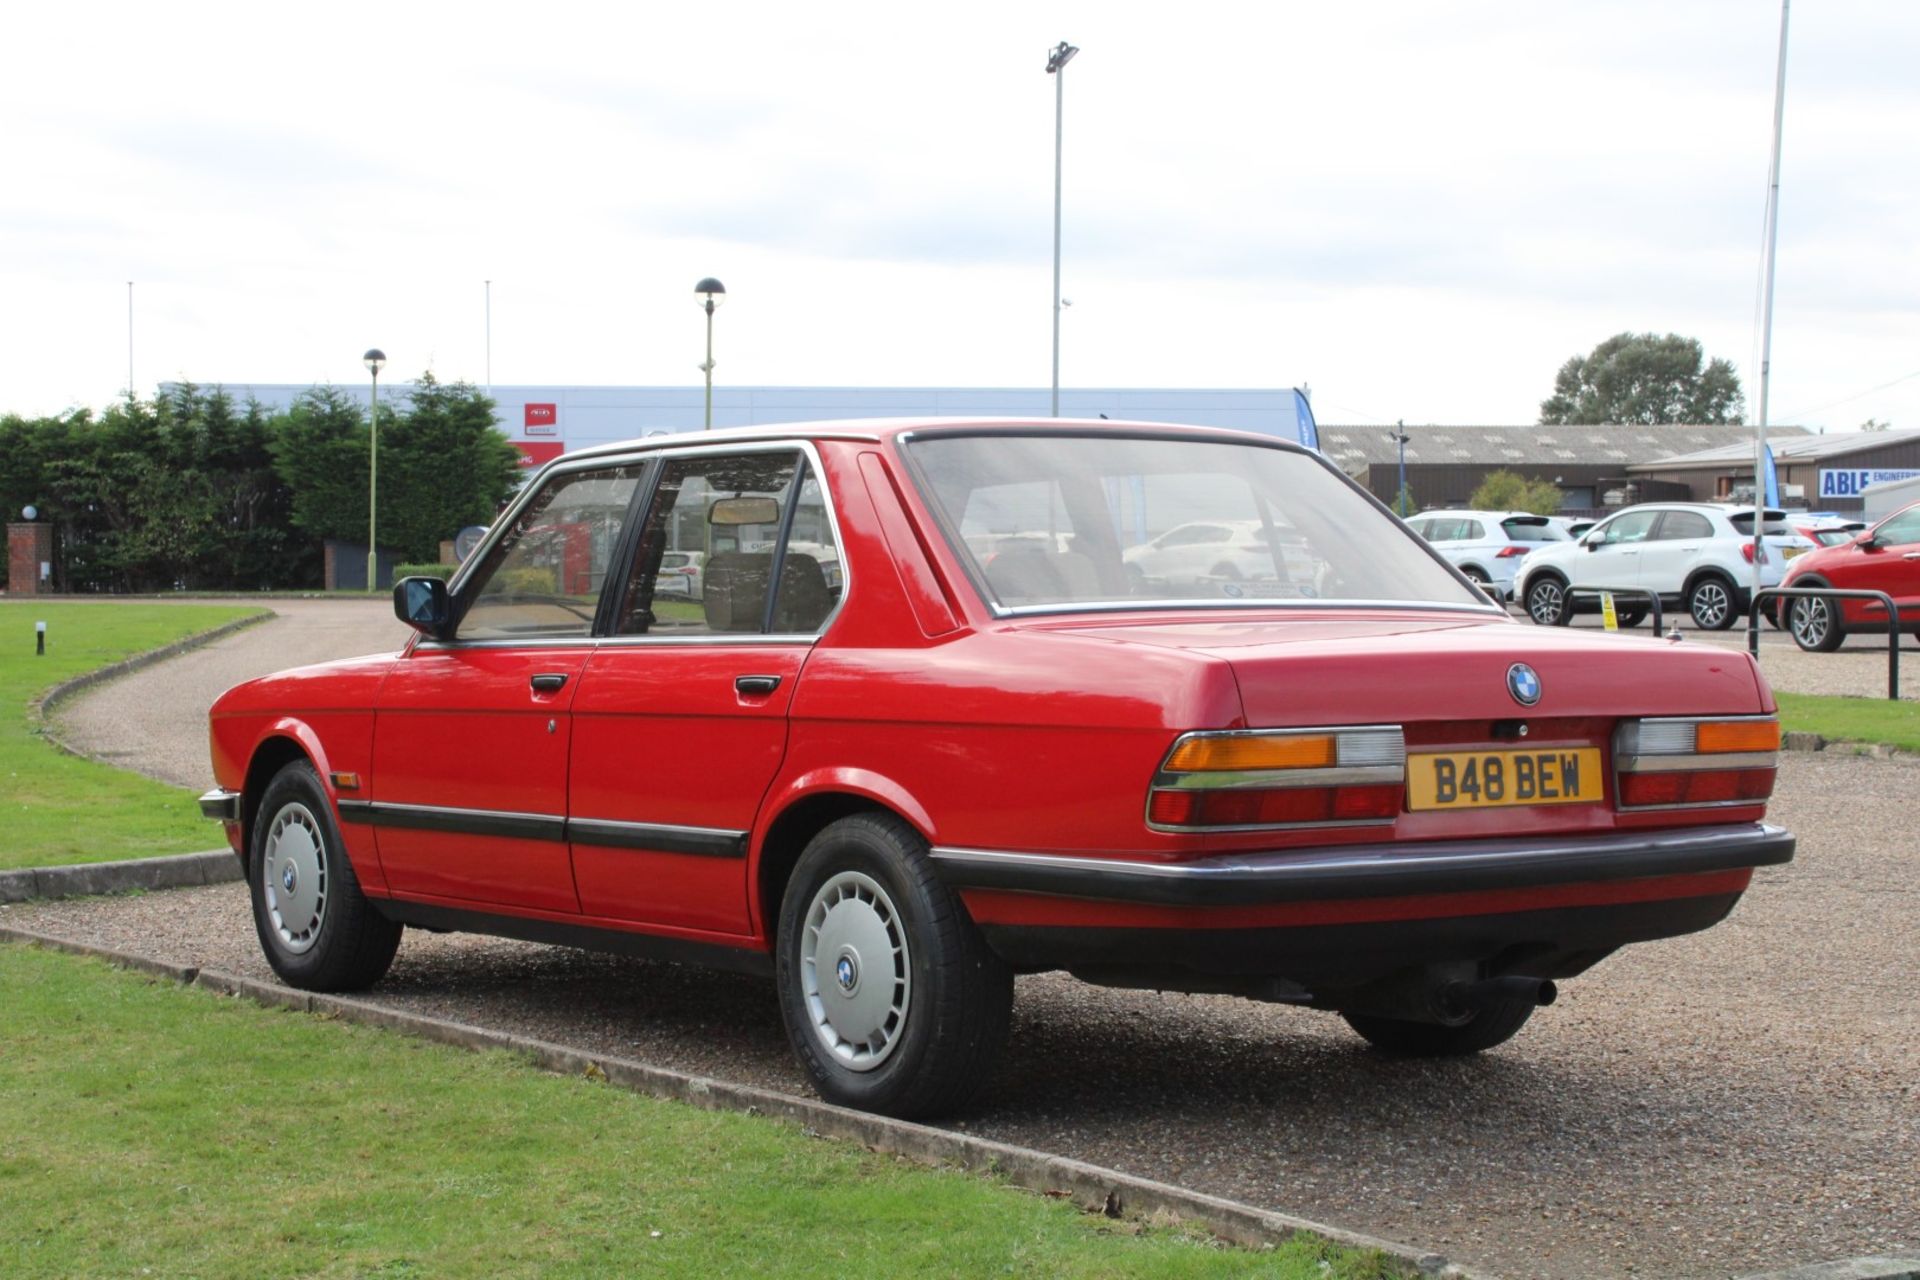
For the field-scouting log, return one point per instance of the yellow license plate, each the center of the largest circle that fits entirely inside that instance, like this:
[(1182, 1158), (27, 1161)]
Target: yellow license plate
[(1791, 552), (1498, 779)]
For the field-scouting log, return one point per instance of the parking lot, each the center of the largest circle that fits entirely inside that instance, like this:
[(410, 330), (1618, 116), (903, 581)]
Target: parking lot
[(1743, 1098)]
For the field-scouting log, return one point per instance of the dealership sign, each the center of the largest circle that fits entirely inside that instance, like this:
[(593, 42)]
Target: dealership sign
[(543, 420), (1851, 484)]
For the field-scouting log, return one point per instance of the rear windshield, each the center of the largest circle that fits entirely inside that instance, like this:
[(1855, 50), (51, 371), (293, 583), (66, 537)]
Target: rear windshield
[(1051, 521), (1775, 524), (1531, 529)]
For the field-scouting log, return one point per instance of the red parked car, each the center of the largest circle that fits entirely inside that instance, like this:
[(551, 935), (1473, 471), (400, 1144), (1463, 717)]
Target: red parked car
[(1884, 558), (1341, 778)]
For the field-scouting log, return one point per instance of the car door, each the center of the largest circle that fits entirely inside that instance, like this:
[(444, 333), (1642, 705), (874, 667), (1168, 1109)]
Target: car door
[(680, 722), (1681, 541), (1611, 552), (1891, 564), (468, 787)]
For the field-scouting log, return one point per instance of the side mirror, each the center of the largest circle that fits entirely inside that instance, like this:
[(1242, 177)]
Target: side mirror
[(424, 605), (1593, 541), (1868, 542)]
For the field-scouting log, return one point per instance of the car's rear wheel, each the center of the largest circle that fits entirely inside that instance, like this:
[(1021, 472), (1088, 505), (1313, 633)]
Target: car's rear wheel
[(1547, 602), (891, 998), (1815, 625), (1484, 1029), (1711, 603), (319, 931)]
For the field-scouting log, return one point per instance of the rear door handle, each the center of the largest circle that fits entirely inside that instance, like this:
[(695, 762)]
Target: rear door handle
[(548, 682), (1911, 555), (756, 684)]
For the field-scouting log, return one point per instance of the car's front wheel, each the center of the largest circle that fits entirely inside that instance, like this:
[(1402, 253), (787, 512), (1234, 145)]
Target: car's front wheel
[(1815, 624), (1711, 603), (1547, 602), (319, 932), (1486, 1028), (891, 998)]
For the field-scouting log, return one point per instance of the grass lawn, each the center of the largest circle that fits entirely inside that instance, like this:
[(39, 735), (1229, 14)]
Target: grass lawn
[(150, 1129), (1852, 719), (56, 808)]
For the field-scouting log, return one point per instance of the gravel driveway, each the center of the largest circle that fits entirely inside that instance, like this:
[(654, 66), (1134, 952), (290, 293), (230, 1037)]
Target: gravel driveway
[(1744, 1098)]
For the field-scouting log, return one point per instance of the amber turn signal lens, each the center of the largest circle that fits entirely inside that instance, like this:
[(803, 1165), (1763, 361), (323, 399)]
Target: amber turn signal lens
[(1737, 735), (1237, 754)]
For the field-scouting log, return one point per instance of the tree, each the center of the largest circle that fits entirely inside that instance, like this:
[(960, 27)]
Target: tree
[(1643, 378), (1874, 424), (1511, 491)]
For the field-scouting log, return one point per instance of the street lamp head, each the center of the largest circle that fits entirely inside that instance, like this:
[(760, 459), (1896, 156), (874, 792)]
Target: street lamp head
[(30, 512), (710, 292), (375, 359), (1060, 56)]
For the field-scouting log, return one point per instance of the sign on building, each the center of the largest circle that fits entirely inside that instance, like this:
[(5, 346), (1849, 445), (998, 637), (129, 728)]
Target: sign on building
[(543, 420), (1837, 483)]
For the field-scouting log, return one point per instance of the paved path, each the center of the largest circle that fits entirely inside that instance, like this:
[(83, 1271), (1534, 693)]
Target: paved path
[(154, 721)]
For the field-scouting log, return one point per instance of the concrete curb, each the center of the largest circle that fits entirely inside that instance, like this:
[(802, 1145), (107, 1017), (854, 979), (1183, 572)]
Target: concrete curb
[(1844, 746), (1094, 1189), (180, 871), (1905, 1268), (40, 707)]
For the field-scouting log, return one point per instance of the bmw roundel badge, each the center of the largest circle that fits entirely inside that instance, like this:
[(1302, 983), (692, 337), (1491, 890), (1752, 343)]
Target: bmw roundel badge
[(1523, 683)]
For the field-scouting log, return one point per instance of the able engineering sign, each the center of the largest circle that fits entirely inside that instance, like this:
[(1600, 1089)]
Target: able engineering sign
[(1851, 484)]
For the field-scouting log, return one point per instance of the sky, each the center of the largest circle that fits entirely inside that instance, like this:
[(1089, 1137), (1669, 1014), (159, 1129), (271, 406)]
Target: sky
[(1418, 210)]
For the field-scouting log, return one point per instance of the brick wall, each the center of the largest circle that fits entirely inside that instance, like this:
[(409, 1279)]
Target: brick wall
[(28, 545)]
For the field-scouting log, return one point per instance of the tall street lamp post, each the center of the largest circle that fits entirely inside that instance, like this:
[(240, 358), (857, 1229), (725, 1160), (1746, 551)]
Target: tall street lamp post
[(1400, 438), (1057, 62), (374, 359), (711, 294)]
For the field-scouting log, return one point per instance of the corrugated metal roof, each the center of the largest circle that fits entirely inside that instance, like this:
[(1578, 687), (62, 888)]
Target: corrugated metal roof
[(1353, 448), (1797, 448)]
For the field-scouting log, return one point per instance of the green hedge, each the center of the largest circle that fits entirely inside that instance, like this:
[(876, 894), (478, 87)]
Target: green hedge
[(441, 571)]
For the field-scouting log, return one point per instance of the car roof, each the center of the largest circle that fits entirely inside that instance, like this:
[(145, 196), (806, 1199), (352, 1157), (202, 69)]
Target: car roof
[(877, 430)]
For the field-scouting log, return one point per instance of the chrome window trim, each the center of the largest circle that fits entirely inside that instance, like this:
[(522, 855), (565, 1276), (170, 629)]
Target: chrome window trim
[(1150, 606), (618, 455), (620, 642), (1693, 763), (551, 827)]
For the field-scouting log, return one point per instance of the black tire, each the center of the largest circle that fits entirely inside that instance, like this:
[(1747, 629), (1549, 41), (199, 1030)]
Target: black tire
[(1815, 624), (319, 932), (1713, 603), (1477, 574), (1547, 602), (1483, 1030), (957, 995), (1630, 617)]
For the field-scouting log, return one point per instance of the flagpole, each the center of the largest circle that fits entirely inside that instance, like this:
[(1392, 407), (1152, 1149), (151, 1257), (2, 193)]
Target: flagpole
[(1766, 334)]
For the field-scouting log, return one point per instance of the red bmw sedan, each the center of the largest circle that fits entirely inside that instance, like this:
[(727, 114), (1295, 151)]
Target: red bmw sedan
[(891, 757)]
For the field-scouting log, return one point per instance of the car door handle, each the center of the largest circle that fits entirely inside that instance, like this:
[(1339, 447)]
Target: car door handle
[(756, 684), (548, 682), (1911, 555)]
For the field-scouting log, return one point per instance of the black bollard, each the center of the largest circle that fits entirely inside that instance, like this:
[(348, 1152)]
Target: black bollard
[(40, 639)]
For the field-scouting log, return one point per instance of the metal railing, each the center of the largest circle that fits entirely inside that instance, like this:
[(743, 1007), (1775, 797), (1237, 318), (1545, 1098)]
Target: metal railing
[(1884, 600), (1652, 596)]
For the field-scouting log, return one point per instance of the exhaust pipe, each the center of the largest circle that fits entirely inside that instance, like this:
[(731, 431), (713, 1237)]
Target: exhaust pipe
[(1488, 992)]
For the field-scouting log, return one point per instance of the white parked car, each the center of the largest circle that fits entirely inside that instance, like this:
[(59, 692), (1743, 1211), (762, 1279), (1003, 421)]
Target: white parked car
[(1695, 555), (680, 574), (1210, 556), (1487, 546)]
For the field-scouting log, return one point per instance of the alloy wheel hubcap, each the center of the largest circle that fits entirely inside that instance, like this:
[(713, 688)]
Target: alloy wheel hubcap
[(1710, 604), (1547, 602), (1810, 622), (855, 971), (295, 877)]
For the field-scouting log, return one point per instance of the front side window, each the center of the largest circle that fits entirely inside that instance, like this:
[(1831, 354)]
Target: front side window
[(1631, 526), (1900, 529), (1122, 520), (711, 560), (542, 579)]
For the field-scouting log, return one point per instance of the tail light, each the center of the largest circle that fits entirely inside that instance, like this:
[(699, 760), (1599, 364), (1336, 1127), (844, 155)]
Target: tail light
[(1510, 550), (1281, 778), (1746, 549), (1675, 764)]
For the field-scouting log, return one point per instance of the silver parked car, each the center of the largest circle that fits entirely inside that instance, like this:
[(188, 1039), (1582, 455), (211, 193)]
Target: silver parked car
[(1487, 546)]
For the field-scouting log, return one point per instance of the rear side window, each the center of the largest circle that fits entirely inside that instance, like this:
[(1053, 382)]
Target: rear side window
[(1776, 525), (1686, 524), (729, 514)]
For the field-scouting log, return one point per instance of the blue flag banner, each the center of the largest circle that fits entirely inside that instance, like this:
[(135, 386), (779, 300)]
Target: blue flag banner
[(1309, 434), (1770, 485)]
